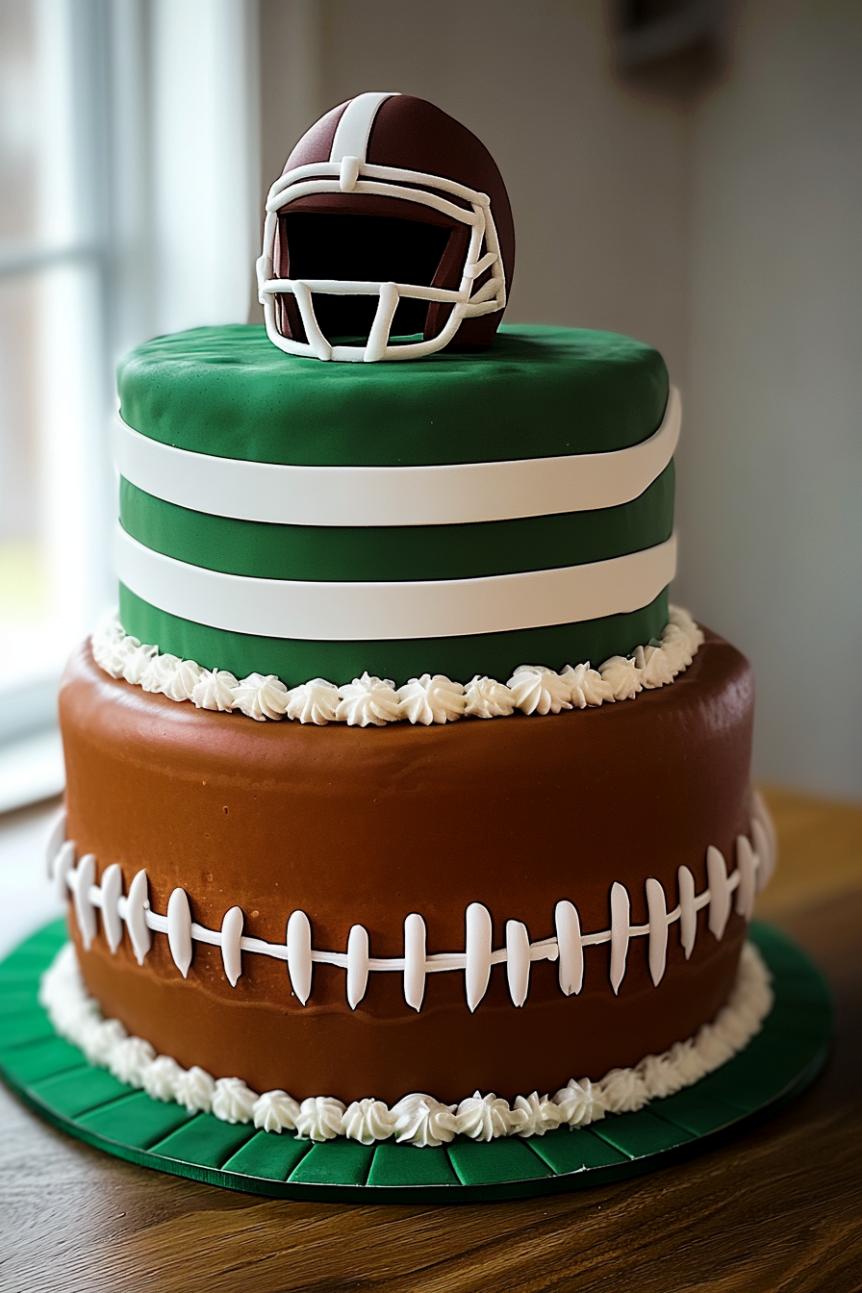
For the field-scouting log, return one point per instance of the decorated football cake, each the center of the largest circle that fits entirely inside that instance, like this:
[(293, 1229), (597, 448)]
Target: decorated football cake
[(401, 803)]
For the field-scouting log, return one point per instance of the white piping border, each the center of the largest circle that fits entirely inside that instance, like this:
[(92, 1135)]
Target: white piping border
[(416, 1119), (319, 610), (372, 701), (755, 862), (455, 494)]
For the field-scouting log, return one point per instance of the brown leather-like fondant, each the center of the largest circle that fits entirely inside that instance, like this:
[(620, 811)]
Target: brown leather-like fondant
[(364, 826)]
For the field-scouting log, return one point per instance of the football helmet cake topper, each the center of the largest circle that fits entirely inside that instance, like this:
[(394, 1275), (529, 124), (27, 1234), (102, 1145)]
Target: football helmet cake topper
[(389, 235)]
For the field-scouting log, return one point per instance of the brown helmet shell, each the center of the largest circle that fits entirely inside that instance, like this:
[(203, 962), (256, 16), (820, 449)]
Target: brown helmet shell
[(363, 236)]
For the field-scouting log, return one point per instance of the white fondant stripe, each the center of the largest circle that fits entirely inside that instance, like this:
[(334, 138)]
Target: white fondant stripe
[(135, 911), (747, 878), (64, 863), (231, 944), (354, 127), (112, 892), (180, 930), (55, 839), (719, 908), (658, 928), (570, 947), (687, 910), (518, 961), (299, 964), (620, 933), (82, 888), (478, 952), (418, 1119), (475, 962), (357, 965), (354, 612), (414, 960), (460, 493)]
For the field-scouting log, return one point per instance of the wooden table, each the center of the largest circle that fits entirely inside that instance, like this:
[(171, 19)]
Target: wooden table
[(780, 1207)]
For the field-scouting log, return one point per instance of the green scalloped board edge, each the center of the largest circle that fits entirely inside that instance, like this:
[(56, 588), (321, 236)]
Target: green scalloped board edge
[(54, 1078)]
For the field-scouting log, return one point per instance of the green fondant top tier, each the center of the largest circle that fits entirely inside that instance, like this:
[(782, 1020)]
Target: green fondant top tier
[(539, 392)]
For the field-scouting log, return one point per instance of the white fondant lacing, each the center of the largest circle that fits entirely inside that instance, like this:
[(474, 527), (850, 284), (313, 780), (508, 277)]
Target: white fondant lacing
[(371, 701), (416, 1119), (325, 611), (441, 494), (755, 861)]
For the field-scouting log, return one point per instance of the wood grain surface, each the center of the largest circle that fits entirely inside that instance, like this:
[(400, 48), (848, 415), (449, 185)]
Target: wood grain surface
[(777, 1208)]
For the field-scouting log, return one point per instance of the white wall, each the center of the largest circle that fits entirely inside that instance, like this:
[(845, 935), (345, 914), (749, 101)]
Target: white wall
[(770, 488), (723, 229)]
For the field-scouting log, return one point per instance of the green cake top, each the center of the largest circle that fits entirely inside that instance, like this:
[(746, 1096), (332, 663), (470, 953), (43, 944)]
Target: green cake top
[(462, 514), (538, 392)]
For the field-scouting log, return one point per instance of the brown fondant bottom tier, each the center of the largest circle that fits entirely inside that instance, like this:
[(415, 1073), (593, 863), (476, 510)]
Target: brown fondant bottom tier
[(365, 826)]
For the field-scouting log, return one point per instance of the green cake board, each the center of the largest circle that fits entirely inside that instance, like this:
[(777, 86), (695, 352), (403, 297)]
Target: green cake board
[(55, 1079)]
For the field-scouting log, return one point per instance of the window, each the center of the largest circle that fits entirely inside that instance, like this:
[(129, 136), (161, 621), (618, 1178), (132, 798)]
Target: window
[(118, 124), (54, 365)]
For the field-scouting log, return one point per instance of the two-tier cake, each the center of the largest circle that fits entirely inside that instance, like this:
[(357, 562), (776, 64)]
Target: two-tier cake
[(400, 802)]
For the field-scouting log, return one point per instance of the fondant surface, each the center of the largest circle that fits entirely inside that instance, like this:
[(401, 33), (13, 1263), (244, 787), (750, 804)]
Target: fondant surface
[(538, 391), (403, 552)]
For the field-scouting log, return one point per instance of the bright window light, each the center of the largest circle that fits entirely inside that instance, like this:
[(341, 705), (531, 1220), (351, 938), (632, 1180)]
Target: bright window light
[(54, 264), (123, 127)]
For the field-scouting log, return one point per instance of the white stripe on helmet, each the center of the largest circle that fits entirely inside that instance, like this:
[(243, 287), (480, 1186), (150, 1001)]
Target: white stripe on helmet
[(354, 128)]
